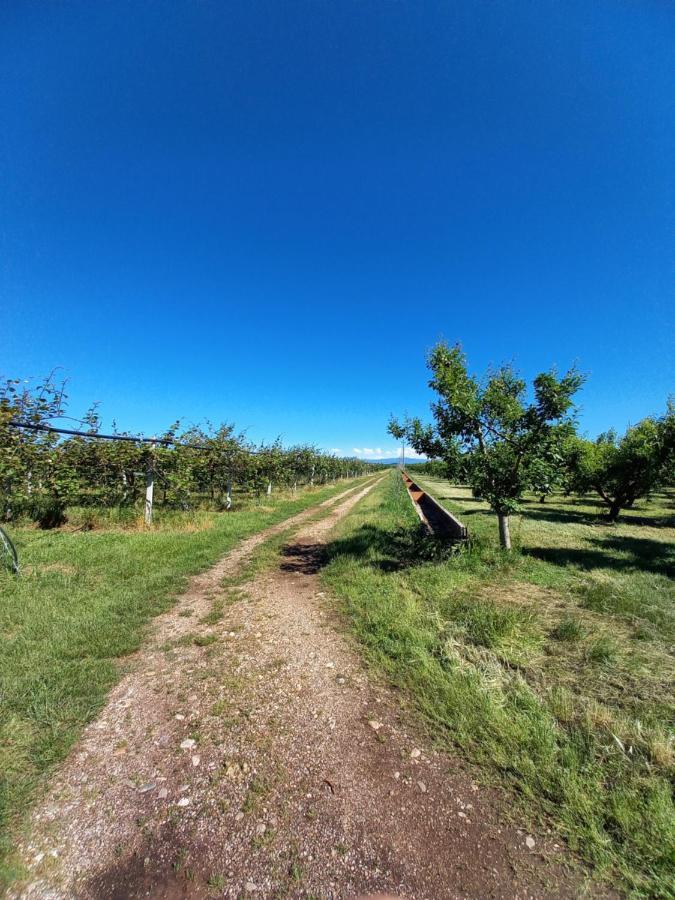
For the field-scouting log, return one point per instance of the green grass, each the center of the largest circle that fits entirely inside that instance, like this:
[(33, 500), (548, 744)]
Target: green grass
[(568, 628), (551, 668), (624, 570), (81, 604)]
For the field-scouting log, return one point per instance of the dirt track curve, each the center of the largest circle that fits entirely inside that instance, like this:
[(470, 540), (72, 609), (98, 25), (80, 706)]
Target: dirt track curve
[(255, 756)]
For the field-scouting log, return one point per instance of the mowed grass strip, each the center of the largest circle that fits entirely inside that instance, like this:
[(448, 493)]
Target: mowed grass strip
[(81, 604), (550, 668)]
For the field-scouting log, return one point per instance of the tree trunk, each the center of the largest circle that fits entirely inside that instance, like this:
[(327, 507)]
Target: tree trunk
[(614, 510), (504, 532)]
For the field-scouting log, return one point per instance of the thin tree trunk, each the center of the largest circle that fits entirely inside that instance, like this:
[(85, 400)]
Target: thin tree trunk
[(504, 532)]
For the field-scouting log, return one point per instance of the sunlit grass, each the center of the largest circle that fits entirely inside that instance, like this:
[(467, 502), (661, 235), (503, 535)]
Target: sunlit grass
[(549, 668)]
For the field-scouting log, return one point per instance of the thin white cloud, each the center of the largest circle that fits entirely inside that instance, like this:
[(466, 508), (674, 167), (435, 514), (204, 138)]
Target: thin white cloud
[(385, 453)]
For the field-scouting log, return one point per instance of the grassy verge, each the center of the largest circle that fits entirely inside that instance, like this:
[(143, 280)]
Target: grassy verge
[(82, 604), (550, 668)]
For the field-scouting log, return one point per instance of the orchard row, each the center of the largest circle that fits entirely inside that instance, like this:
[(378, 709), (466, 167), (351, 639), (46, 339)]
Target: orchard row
[(43, 473)]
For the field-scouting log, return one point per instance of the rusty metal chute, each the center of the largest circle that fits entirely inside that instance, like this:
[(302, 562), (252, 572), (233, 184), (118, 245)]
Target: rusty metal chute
[(435, 518)]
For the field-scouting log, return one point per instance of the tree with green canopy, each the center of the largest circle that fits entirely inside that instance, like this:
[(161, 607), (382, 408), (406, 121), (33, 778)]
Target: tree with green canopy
[(623, 470), (488, 424)]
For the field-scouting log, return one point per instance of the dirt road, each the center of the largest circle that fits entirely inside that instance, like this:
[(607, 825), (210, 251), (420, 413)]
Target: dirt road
[(253, 755)]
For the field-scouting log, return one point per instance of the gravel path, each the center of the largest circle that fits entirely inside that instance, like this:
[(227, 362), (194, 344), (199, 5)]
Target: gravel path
[(253, 755)]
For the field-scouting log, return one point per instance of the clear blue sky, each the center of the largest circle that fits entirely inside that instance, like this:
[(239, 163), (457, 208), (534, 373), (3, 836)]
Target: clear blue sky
[(267, 212)]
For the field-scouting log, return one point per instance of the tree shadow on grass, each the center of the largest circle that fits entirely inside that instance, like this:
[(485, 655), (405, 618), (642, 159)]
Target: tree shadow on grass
[(649, 521), (617, 552), (453, 498), (387, 550), (579, 517), (563, 516)]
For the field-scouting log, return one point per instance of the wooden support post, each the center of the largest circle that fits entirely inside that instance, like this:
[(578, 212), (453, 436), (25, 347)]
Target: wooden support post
[(150, 486)]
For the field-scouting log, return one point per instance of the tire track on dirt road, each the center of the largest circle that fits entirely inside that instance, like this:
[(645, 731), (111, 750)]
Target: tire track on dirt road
[(259, 758), (95, 791)]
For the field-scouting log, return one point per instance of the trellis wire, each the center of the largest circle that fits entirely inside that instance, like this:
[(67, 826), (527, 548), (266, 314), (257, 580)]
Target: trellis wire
[(140, 439)]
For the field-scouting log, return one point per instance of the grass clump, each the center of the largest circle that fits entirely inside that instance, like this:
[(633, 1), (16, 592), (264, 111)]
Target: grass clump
[(504, 665), (642, 597), (489, 625), (204, 640), (603, 650), (568, 629), (257, 791), (217, 882), (215, 614)]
